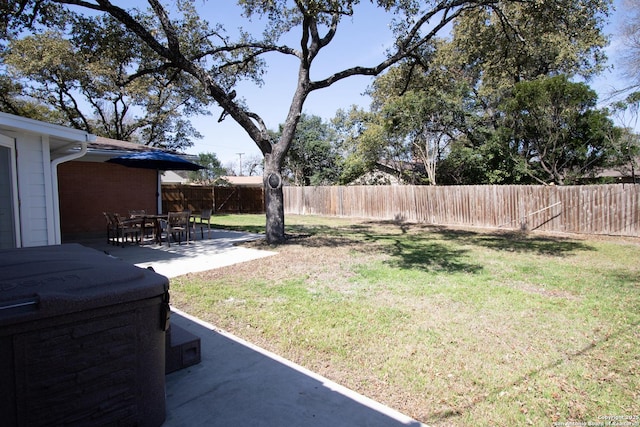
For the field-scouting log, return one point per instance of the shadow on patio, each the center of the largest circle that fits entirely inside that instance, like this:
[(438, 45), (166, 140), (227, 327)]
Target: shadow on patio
[(200, 255)]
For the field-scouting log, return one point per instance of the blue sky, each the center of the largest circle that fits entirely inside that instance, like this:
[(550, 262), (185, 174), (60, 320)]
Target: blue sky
[(359, 41)]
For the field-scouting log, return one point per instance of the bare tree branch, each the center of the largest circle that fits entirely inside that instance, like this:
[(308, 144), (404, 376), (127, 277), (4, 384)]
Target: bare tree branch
[(408, 44)]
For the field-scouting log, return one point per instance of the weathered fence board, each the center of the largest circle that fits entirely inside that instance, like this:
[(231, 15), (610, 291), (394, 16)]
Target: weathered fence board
[(591, 209), (239, 199), (219, 199), (186, 197)]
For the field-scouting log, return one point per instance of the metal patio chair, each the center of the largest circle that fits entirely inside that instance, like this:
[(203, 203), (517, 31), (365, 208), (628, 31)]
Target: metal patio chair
[(205, 216), (177, 224)]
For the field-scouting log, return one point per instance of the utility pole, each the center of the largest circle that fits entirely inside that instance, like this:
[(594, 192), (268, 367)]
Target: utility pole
[(240, 156)]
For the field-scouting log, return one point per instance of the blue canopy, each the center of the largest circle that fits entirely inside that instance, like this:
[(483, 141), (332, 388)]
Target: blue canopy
[(159, 160)]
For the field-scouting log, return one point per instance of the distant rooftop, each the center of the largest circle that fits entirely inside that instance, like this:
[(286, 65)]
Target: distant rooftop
[(243, 181), (102, 143)]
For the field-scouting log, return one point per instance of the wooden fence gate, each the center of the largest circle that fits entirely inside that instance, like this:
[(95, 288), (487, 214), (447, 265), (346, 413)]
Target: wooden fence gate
[(177, 197)]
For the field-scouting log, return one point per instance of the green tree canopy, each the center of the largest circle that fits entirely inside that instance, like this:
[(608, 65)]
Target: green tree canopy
[(422, 109), (361, 142), (446, 102), (554, 132), (85, 81), (312, 158), (214, 169)]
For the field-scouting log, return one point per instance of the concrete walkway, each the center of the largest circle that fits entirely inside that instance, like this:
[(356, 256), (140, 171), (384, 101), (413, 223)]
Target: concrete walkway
[(237, 383), (217, 250)]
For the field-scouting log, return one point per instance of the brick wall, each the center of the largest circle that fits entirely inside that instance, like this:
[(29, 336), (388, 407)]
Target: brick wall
[(87, 189)]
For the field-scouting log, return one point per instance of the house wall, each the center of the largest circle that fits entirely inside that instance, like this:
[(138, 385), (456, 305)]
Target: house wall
[(34, 189), (9, 233), (34, 172), (87, 189)]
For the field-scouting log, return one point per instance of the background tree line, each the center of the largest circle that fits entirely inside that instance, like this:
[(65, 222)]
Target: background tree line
[(479, 108)]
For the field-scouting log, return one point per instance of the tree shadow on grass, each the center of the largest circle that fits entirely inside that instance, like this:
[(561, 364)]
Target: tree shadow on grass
[(406, 251), (420, 252), (428, 248), (511, 241), (508, 240)]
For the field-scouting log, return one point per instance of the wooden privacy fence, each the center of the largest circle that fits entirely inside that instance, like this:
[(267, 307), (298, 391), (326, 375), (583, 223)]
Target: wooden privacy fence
[(220, 199), (178, 197), (591, 209), (238, 199)]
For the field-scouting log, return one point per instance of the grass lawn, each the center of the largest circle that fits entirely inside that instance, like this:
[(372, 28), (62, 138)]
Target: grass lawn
[(452, 327)]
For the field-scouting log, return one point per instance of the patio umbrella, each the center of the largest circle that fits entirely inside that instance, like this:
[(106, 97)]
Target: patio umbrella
[(158, 160)]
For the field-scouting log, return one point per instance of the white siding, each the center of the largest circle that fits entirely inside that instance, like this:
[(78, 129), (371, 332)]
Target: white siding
[(34, 183), (37, 195), (9, 220)]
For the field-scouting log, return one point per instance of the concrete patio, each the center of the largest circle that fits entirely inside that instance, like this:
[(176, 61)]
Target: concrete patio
[(237, 383), (214, 251)]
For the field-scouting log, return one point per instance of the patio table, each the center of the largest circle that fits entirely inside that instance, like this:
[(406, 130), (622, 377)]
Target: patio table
[(153, 219)]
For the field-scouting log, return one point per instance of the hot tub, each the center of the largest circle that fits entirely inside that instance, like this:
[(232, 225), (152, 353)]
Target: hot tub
[(82, 339)]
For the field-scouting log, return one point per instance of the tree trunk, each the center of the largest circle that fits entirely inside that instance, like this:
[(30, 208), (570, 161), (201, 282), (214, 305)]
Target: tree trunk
[(274, 159), (274, 201)]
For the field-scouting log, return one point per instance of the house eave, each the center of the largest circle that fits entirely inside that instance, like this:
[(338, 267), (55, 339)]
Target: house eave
[(14, 123)]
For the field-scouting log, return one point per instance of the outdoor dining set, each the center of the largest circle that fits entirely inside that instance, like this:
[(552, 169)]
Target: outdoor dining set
[(139, 227)]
